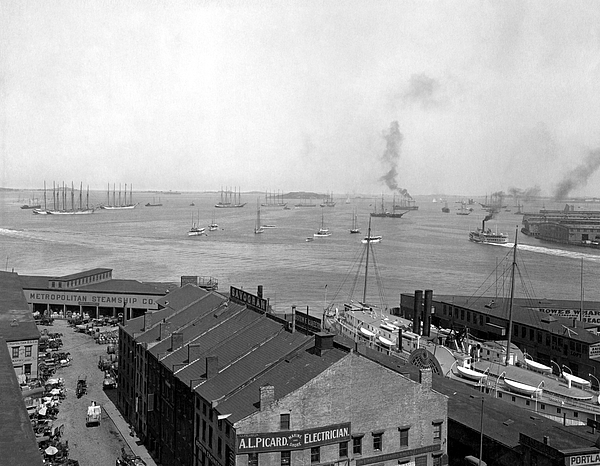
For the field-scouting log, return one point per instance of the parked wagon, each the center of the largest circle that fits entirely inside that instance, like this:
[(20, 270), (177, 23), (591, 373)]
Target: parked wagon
[(94, 412), (81, 386)]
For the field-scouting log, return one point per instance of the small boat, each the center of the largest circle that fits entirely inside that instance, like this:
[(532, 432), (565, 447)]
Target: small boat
[(309, 239), (328, 201), (536, 366), (195, 230), (574, 380), (522, 388), (214, 225), (354, 228), (154, 204), (463, 210), (471, 374), (323, 232), (31, 206), (446, 209), (372, 239)]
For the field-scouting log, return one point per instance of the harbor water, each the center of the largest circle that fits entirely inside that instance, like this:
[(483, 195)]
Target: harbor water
[(425, 249)]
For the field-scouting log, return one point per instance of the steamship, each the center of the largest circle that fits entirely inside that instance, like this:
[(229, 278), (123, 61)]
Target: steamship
[(486, 235)]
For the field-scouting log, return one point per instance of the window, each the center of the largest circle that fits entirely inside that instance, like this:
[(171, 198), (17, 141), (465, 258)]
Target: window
[(542, 406), (531, 334), (27, 369), (28, 351), (468, 316), (204, 430), (516, 330), (220, 446), (343, 449), (286, 458), (284, 421), (558, 410), (378, 441), (462, 314), (315, 455), (437, 431), (437, 460), (15, 352), (480, 319), (210, 435), (357, 445), (403, 436), (252, 459)]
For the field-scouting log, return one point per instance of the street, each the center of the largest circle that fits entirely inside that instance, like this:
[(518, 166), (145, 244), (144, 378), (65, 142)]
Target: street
[(95, 445)]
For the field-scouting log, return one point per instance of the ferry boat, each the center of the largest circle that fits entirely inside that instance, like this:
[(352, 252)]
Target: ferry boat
[(486, 235)]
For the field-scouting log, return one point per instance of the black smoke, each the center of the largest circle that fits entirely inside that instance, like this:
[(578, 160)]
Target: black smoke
[(578, 176), (525, 194), (391, 156)]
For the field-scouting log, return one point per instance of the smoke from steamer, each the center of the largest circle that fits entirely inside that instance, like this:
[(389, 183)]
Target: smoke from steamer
[(393, 138), (579, 176)]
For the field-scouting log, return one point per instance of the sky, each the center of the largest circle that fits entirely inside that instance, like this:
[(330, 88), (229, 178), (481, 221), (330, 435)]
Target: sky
[(455, 97)]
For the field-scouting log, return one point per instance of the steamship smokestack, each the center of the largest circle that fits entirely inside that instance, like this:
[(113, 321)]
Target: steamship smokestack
[(416, 327), (427, 313)]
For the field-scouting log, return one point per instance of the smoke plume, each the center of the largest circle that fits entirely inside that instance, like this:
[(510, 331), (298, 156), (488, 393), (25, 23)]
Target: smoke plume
[(391, 156), (421, 90), (578, 176), (525, 194)]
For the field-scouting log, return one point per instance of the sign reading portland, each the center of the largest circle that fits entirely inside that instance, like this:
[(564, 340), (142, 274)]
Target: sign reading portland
[(293, 439)]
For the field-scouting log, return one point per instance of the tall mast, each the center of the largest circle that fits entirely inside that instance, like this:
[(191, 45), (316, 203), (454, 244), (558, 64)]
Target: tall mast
[(364, 300), (125, 200), (512, 295), (80, 194), (581, 302), (45, 208), (72, 196)]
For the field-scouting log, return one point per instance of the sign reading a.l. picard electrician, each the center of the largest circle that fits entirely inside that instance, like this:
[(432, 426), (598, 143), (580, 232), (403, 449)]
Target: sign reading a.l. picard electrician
[(245, 298), (293, 439)]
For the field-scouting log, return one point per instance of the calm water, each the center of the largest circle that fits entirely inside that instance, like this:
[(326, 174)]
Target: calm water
[(426, 249)]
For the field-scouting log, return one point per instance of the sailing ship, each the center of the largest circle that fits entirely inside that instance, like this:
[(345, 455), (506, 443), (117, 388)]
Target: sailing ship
[(213, 225), (81, 210), (323, 232), (230, 199), (117, 204), (463, 210), (305, 204), (354, 228), (33, 204), (328, 201), (257, 227), (383, 213), (195, 230), (446, 209), (273, 200), (44, 211), (407, 203), (486, 235)]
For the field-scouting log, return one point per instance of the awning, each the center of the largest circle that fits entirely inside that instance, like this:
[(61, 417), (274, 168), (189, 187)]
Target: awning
[(385, 341), (366, 332)]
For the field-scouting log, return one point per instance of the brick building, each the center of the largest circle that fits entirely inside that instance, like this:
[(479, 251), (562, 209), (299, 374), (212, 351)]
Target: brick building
[(225, 382)]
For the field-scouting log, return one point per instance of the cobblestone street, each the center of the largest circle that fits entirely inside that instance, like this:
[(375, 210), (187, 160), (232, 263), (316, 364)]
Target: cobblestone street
[(95, 445)]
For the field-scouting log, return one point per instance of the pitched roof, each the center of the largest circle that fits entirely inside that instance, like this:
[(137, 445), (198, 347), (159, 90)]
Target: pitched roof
[(16, 320)]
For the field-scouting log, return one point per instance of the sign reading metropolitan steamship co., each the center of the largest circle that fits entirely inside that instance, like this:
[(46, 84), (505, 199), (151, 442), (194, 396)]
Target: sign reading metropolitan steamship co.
[(86, 298), (293, 439), (245, 298)]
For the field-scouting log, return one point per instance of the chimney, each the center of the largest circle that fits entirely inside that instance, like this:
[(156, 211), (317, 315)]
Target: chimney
[(212, 366), (323, 342), (267, 396), (176, 340), (399, 343), (427, 313), (546, 439), (148, 320), (194, 353), (416, 327), (259, 293), (165, 330), (425, 379), (293, 319)]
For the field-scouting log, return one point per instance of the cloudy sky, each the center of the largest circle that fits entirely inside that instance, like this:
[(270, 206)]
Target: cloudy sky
[(456, 97)]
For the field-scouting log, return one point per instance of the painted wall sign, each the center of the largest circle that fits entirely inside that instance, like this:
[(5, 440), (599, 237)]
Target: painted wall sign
[(293, 439), (74, 298), (248, 299), (594, 351), (583, 460)]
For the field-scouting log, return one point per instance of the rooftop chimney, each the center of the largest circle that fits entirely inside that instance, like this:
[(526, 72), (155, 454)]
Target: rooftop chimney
[(176, 340), (425, 379), (323, 342), (194, 352), (546, 440), (165, 330), (212, 366), (148, 320), (267, 396), (259, 293)]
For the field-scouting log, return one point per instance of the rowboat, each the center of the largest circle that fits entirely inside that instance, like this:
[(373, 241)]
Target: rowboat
[(522, 388), (572, 379), (471, 374), (537, 366)]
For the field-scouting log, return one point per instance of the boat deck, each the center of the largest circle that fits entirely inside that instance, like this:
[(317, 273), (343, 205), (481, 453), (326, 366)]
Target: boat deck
[(552, 384)]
